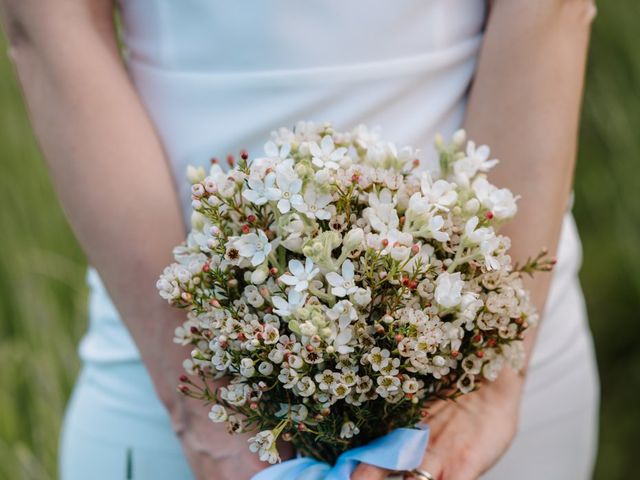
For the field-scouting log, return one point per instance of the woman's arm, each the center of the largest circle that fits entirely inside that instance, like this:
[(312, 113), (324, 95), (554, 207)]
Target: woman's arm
[(525, 104), (111, 174)]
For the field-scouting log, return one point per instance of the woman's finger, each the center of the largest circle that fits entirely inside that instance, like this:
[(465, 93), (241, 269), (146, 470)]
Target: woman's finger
[(364, 471), (433, 464)]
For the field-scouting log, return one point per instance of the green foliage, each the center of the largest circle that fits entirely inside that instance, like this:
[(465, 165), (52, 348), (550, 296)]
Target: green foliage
[(43, 299), (608, 216)]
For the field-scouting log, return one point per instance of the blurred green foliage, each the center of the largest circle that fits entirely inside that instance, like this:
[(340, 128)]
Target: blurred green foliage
[(43, 296)]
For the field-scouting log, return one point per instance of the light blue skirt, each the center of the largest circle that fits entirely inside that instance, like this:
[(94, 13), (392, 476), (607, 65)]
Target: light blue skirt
[(116, 428)]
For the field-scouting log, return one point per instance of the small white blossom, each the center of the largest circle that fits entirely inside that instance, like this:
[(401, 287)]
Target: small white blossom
[(314, 204), (440, 193), (286, 308), (264, 443), (218, 414), (448, 291), (260, 191), (343, 285), (349, 430), (300, 274), (254, 246), (499, 201), (326, 155), (287, 192)]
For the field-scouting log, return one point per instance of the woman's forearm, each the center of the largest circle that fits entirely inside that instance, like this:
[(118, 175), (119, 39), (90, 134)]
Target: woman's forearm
[(116, 187), (105, 159), (525, 104)]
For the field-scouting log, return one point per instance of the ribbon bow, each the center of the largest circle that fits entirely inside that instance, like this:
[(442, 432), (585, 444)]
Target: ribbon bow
[(401, 449)]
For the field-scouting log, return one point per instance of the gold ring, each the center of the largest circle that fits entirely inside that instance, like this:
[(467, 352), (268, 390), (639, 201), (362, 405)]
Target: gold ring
[(422, 474)]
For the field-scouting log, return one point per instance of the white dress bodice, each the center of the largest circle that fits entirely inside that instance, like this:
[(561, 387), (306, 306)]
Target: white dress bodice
[(217, 76)]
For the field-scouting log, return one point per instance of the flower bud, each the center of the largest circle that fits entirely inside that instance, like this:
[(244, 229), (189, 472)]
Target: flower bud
[(353, 239), (195, 175), (472, 206), (197, 190), (459, 137)]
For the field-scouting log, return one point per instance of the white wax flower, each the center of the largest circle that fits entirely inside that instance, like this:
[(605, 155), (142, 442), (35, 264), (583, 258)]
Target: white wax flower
[(286, 308), (272, 150), (260, 191), (254, 246), (300, 274), (326, 155), (448, 291), (218, 414), (288, 187), (500, 201), (314, 204), (343, 285), (439, 193)]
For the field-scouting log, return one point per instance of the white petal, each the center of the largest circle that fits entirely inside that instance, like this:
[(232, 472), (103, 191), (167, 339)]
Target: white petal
[(258, 258), (280, 303), (271, 149), (339, 291), (284, 205), (323, 215), (288, 279), (347, 270), (327, 144), (296, 267), (334, 279)]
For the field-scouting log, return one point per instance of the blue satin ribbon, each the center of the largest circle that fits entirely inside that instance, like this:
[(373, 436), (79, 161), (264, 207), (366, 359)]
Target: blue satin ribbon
[(401, 449)]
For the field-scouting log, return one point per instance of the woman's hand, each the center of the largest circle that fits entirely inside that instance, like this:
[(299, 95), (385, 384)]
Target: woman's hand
[(212, 452), (467, 436), (105, 156)]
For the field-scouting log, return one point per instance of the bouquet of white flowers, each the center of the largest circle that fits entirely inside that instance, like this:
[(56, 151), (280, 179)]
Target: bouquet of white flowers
[(338, 288)]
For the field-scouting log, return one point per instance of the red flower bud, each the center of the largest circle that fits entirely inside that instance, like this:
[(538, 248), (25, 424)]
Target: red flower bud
[(251, 218), (231, 160), (244, 154), (489, 214)]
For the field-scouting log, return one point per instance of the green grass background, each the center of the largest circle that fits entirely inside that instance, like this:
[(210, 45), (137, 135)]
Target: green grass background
[(43, 296)]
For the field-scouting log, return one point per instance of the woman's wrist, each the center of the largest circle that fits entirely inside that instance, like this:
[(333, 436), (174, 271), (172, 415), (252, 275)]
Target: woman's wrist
[(508, 386)]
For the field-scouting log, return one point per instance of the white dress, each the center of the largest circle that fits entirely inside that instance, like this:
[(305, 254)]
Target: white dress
[(217, 76)]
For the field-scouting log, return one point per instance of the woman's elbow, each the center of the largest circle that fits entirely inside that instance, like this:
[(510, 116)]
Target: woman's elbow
[(581, 11), (15, 22)]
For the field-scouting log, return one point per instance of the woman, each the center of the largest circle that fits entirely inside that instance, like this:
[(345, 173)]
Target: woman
[(207, 78)]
